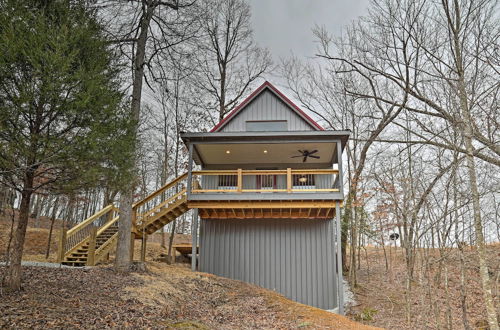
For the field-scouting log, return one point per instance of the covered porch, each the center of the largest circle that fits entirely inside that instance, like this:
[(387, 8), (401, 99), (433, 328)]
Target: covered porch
[(265, 165)]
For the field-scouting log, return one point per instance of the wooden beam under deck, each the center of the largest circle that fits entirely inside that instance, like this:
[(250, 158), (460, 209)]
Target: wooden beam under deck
[(303, 209), (320, 213), (271, 204)]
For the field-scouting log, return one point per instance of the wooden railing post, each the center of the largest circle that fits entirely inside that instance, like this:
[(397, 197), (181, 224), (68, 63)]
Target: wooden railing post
[(190, 171), (240, 180), (92, 243), (289, 180), (110, 215), (62, 245), (134, 217)]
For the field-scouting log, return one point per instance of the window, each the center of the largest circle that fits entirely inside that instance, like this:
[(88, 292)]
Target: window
[(267, 126)]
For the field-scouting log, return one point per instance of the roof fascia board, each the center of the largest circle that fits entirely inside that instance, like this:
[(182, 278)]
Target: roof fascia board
[(257, 92), (219, 135)]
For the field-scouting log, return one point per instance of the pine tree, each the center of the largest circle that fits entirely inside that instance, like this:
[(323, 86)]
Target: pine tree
[(63, 121)]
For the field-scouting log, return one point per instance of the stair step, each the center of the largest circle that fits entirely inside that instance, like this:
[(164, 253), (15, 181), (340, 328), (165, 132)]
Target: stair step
[(74, 263)]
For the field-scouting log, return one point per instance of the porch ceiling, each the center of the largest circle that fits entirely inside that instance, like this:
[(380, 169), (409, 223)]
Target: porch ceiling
[(264, 153)]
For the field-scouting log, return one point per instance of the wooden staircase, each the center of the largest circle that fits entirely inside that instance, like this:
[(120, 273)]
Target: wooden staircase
[(80, 255), (91, 241)]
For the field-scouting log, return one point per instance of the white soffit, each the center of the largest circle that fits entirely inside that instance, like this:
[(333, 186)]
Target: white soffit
[(264, 153)]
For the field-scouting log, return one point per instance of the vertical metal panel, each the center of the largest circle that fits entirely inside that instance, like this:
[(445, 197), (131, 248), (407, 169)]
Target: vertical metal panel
[(267, 106), (291, 256)]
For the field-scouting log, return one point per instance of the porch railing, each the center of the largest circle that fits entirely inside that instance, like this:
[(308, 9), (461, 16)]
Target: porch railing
[(265, 181)]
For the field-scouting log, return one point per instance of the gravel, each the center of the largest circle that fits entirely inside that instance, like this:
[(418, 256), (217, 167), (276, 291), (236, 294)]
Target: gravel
[(43, 264)]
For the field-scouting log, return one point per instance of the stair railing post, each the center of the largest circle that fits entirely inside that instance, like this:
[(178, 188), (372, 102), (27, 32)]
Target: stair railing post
[(92, 243), (61, 251), (110, 216), (134, 218)]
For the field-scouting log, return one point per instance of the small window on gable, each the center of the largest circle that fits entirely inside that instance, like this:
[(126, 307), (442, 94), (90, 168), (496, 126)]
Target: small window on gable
[(266, 125)]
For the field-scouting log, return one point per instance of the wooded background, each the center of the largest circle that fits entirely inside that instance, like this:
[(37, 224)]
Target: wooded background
[(416, 83)]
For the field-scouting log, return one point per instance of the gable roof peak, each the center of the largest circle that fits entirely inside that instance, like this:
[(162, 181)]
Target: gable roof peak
[(257, 92)]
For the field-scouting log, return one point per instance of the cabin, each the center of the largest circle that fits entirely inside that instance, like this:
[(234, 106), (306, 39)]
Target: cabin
[(265, 187), (267, 195)]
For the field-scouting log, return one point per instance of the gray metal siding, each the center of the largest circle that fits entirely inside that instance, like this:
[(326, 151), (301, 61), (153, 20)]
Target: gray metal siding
[(293, 257), (267, 106)]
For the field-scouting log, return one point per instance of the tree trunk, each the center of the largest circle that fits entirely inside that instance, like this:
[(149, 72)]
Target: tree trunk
[(171, 254), (52, 220), (222, 100), (478, 227), (122, 260), (163, 237), (13, 277), (471, 169)]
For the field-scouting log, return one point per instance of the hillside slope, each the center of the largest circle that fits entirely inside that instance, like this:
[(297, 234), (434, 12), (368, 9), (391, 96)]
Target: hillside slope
[(165, 296)]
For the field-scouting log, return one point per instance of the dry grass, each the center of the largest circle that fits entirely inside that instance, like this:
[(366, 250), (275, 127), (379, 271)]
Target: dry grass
[(180, 297), (384, 291), (35, 244), (217, 302)]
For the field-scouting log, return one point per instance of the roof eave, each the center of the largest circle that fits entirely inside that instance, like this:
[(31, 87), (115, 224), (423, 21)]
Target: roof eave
[(285, 136)]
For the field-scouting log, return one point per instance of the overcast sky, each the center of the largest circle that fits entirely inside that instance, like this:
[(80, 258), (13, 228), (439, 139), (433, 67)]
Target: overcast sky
[(285, 26)]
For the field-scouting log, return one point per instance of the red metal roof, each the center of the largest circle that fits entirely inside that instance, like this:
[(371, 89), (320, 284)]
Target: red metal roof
[(255, 93)]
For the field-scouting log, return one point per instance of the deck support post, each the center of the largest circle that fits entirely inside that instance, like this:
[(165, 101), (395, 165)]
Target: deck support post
[(194, 239), (338, 240), (143, 247), (132, 241)]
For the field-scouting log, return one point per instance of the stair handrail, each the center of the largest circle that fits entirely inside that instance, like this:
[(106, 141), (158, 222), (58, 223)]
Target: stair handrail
[(162, 204), (160, 190), (100, 252), (78, 235), (155, 200), (89, 220), (146, 218)]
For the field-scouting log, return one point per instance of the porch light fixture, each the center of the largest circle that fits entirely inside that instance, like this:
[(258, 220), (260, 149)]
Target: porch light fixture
[(265, 151), (303, 179), (228, 152)]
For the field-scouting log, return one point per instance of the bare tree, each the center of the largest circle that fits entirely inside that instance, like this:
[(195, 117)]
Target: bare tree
[(145, 33), (440, 57), (228, 59)]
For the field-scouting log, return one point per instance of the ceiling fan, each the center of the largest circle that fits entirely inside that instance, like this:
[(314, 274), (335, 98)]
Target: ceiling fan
[(306, 154)]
